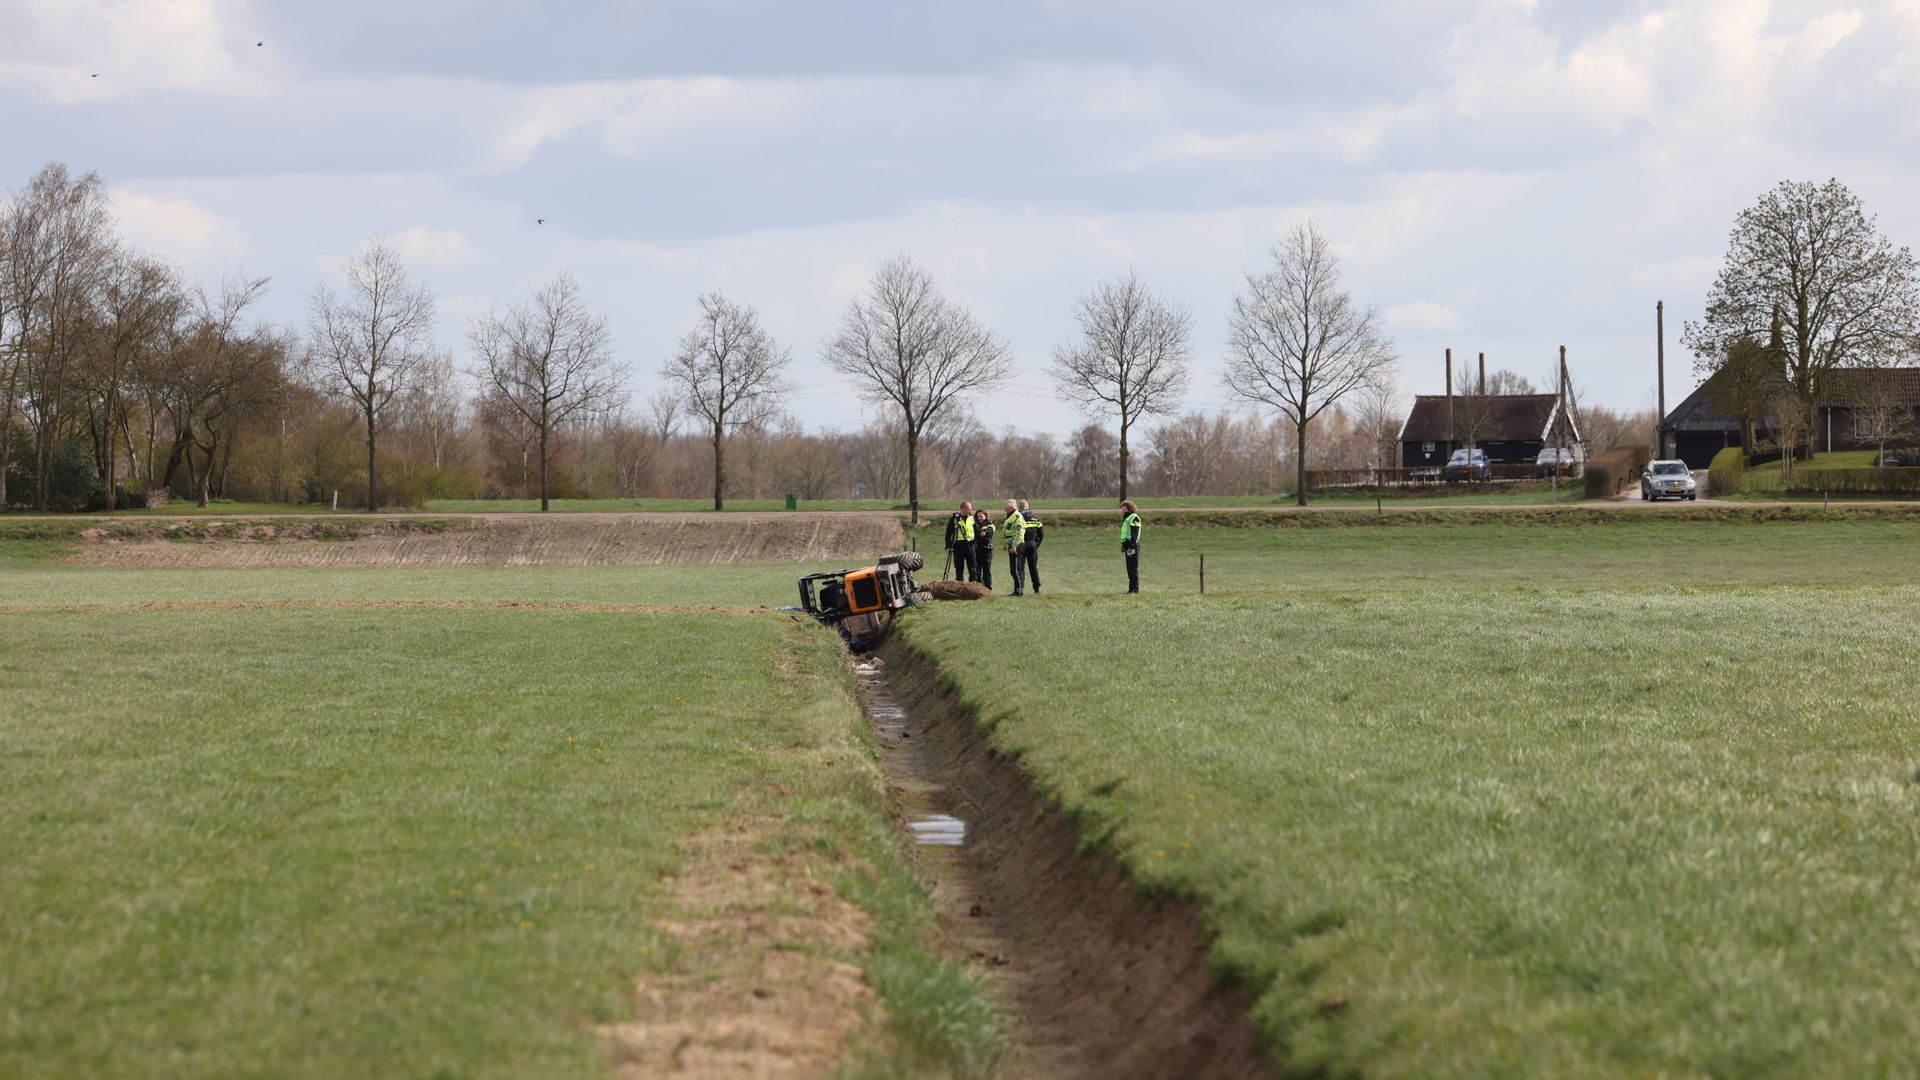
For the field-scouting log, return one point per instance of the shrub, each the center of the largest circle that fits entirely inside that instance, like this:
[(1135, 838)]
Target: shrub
[(1902, 482), (1724, 472), (1609, 472)]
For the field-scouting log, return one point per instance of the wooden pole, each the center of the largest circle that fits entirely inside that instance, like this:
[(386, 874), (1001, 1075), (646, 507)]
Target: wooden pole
[(1450, 435), (1483, 374), (1203, 573), (1660, 366)]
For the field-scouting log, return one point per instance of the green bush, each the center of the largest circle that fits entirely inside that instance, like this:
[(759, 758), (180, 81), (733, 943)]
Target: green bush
[(1768, 481), (1609, 472), (1725, 471)]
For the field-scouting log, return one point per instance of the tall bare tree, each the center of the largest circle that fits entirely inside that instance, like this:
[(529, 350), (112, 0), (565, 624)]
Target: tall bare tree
[(369, 340), (1133, 359), (1297, 341), (727, 372), (139, 306), (60, 242), (549, 359), (1807, 268), (433, 409), (906, 345), (1380, 411), (223, 369), (1473, 413)]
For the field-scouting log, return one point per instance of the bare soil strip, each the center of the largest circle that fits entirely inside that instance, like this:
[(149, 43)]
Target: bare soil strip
[(1100, 982), (759, 982), (367, 605), (500, 540)]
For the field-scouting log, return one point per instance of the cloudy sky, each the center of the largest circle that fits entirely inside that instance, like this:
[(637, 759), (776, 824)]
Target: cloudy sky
[(1503, 176)]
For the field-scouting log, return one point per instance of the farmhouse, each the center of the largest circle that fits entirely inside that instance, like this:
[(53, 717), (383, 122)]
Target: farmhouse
[(1706, 422), (1511, 428)]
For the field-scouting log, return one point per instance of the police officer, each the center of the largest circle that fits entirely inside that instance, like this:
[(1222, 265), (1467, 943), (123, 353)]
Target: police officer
[(1130, 543), (1013, 533), (983, 548), (1035, 534), (960, 542)]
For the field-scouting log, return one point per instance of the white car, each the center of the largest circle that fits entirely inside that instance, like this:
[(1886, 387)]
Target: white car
[(1667, 479)]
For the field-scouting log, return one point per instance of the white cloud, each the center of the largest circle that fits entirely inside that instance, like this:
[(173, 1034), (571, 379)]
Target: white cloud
[(421, 246), (1424, 315), (179, 229), (74, 51)]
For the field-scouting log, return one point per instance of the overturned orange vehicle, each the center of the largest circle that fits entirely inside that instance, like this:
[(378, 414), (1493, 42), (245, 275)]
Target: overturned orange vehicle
[(860, 603)]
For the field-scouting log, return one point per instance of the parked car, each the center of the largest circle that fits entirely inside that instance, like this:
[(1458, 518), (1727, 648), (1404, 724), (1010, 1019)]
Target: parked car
[(1664, 479), (1462, 467), (1561, 459)]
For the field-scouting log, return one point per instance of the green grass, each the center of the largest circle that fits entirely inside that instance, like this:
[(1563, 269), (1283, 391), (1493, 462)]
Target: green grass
[(1642, 807), (300, 842), (1612, 550)]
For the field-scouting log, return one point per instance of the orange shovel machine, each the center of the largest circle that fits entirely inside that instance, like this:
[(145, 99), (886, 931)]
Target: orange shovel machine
[(860, 603)]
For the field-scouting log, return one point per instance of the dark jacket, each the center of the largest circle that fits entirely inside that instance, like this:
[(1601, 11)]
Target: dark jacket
[(1036, 532)]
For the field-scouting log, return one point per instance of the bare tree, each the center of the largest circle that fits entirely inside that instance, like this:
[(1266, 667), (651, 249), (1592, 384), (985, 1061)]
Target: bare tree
[(1807, 268), (433, 409), (549, 360), (1298, 343), (59, 242), (1881, 411), (221, 369), (1133, 359), (370, 340), (728, 373), (140, 305), (1504, 383), (1791, 418), (1380, 411), (1472, 414), (906, 345)]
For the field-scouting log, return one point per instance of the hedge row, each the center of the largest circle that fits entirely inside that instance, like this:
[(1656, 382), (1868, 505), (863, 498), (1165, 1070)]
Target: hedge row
[(1610, 472), (1726, 472), (1804, 481)]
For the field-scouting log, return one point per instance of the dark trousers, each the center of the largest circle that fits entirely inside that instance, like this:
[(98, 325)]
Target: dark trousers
[(1016, 565), (983, 566), (963, 562), (1030, 553), (1133, 569)]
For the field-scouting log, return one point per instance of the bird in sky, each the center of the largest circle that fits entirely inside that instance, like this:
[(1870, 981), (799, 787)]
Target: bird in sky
[(259, 44), (539, 221), (95, 75)]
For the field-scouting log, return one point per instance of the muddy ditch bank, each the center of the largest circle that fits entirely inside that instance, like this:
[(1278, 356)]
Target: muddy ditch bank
[(504, 540), (1097, 981)]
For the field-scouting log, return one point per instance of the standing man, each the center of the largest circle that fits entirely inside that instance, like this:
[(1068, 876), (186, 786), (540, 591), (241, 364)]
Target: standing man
[(1130, 543), (983, 548), (960, 542), (1013, 532), (1035, 533)]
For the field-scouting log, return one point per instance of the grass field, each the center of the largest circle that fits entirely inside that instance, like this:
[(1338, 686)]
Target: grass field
[(292, 841), (1615, 793), (1650, 811)]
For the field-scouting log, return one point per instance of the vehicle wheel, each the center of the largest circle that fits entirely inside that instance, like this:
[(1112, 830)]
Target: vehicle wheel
[(915, 599), (1694, 497), (906, 560)]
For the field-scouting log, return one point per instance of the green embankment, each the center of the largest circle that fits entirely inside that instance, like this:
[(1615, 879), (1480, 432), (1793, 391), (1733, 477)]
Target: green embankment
[(1638, 802)]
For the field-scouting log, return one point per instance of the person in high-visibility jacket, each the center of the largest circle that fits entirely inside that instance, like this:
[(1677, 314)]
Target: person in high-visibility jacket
[(960, 542), (1013, 533), (1130, 543), (1035, 533), (983, 548)]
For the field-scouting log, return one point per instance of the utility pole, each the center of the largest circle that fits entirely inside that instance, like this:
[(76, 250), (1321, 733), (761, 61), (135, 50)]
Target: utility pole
[(1560, 437), (1660, 362), (1450, 434), (1483, 374)]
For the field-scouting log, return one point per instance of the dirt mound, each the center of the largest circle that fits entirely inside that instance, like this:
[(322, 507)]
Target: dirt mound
[(1103, 982), (956, 590), (500, 540)]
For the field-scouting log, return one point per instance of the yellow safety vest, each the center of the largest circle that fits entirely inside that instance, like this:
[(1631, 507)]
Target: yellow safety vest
[(965, 531)]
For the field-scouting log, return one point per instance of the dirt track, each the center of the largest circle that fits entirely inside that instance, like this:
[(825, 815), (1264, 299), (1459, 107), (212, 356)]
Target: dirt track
[(499, 540)]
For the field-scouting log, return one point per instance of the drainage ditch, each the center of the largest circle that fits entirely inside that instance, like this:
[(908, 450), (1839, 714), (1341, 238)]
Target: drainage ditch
[(1097, 981)]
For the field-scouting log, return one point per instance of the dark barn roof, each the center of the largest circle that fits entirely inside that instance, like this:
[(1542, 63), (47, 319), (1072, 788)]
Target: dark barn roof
[(1701, 411), (1516, 418)]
